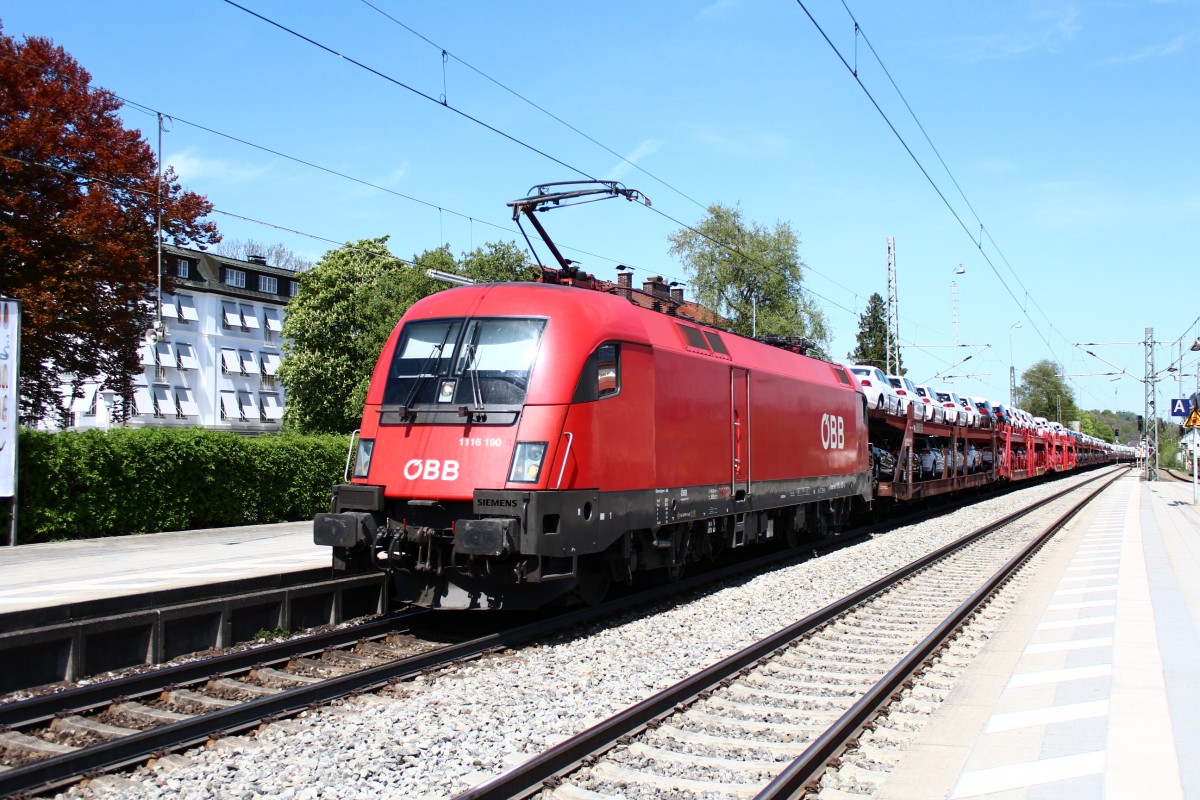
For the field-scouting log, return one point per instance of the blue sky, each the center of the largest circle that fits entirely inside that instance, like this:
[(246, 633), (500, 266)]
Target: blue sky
[(1071, 129)]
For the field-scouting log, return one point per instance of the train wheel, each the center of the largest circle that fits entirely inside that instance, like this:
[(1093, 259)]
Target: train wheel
[(593, 581)]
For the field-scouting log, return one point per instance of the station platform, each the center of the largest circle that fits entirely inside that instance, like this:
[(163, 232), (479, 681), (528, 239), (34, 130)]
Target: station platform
[(74, 609), (1088, 688), (38, 576)]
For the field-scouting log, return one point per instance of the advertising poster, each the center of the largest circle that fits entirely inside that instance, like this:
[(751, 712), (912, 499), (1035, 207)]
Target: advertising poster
[(10, 344)]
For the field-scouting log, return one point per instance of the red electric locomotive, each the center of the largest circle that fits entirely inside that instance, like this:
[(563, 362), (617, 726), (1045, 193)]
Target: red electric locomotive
[(525, 442)]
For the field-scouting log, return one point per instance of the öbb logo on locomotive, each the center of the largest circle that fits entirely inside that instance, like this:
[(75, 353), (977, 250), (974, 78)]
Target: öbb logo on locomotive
[(431, 469), (833, 432)]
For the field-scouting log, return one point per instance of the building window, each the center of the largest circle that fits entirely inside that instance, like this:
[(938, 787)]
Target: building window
[(182, 268), (187, 357), (229, 407), (293, 288), (249, 318), (246, 409), (163, 404), (163, 356), (187, 309), (143, 401), (268, 284), (230, 365), (235, 277), (271, 323), (185, 404), (85, 404), (230, 316), (249, 365), (271, 411)]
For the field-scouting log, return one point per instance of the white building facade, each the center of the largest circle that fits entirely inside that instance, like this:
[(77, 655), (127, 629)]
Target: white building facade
[(215, 365)]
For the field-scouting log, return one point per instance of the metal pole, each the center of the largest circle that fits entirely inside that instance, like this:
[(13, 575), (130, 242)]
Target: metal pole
[(1148, 404), (158, 323)]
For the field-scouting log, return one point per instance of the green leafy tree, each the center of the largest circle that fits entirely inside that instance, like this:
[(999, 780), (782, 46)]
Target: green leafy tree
[(751, 275), (1044, 394), (497, 261), (335, 325), (871, 340), (346, 308)]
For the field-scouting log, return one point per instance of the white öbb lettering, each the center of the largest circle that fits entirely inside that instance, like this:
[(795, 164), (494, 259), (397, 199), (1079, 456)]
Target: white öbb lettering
[(431, 470), (833, 432)]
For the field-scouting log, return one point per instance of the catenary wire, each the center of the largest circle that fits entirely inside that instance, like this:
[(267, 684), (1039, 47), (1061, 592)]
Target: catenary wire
[(929, 178), (984, 231), (531, 103), (414, 90)]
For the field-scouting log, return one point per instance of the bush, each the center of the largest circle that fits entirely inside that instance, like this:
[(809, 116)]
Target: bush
[(81, 485)]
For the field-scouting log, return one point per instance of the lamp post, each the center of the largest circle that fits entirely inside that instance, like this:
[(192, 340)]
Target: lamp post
[(959, 270), (108, 397), (1012, 370)]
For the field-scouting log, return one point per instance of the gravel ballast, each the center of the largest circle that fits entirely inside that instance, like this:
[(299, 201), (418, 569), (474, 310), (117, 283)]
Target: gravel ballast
[(437, 735)]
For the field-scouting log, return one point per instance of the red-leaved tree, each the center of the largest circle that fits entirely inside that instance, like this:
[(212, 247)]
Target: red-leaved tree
[(78, 209)]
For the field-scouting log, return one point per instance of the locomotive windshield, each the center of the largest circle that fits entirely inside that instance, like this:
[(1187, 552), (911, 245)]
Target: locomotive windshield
[(471, 362)]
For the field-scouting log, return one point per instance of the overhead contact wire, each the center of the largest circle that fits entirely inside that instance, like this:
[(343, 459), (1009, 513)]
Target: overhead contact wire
[(540, 108), (412, 89), (925, 172)]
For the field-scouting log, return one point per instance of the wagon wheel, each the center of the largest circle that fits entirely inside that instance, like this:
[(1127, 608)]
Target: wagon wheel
[(592, 581), (793, 535)]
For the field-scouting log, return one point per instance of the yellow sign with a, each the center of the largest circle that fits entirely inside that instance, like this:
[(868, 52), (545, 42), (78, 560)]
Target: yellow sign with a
[(1193, 420)]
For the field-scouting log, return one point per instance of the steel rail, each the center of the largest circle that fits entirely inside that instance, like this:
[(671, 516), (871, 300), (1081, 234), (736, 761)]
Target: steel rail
[(43, 708), (804, 772), (61, 770), (530, 776)]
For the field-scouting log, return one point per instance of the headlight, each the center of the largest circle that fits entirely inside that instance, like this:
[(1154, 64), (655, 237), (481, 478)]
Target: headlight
[(527, 462), (362, 460)]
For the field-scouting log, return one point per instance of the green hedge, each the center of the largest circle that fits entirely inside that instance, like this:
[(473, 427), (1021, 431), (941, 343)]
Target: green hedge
[(140, 480)]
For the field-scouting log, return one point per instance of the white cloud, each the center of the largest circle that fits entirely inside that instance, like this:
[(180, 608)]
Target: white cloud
[(191, 167), (719, 8), (399, 172), (764, 143), (1048, 29), (1085, 206), (645, 148), (1176, 45)]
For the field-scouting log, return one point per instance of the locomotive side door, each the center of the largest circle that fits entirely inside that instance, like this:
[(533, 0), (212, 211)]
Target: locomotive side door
[(739, 402)]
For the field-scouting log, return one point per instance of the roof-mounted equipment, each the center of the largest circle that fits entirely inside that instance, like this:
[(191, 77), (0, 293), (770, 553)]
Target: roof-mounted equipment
[(566, 193)]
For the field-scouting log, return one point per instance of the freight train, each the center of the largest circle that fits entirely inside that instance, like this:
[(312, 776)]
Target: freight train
[(530, 443)]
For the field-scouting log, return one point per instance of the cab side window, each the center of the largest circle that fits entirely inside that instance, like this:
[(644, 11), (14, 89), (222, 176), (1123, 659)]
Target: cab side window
[(601, 376)]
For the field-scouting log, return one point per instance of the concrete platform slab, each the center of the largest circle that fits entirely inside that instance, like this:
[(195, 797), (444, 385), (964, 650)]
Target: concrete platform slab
[(1082, 695), (61, 573)]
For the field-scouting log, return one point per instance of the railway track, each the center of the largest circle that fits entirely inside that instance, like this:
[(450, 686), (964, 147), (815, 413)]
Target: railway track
[(767, 721), (53, 740)]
